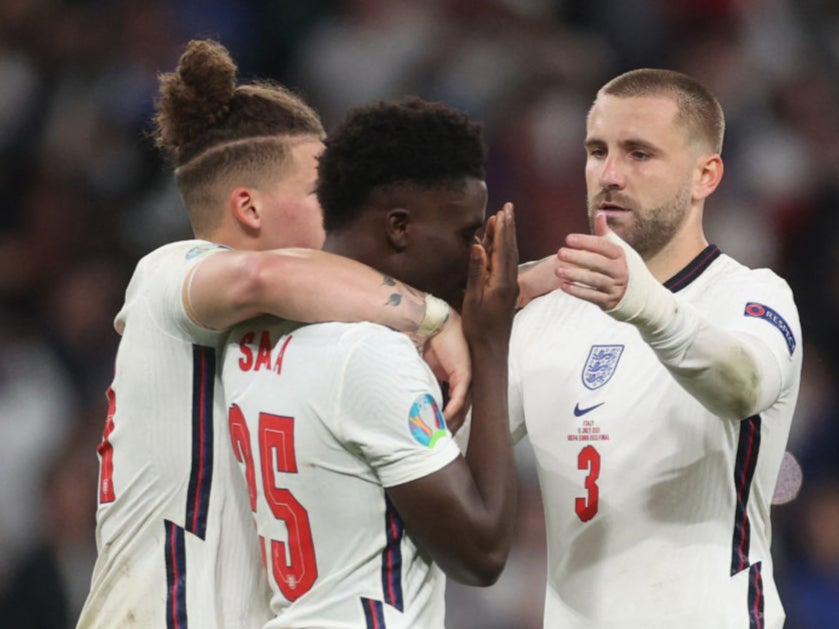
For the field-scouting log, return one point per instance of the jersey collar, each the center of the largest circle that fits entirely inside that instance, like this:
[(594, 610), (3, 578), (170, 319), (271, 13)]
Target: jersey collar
[(694, 269)]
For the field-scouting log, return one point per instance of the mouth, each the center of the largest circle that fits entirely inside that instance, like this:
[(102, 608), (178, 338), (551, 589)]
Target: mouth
[(613, 211), (609, 207)]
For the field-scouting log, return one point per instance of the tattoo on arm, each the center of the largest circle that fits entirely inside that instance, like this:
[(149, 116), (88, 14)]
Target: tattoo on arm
[(409, 302)]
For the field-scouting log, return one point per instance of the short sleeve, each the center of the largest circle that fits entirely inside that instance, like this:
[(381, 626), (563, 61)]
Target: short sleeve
[(164, 289), (390, 408), (764, 308)]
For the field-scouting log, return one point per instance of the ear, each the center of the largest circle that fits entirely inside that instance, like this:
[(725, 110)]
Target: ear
[(244, 205), (709, 174), (397, 221)]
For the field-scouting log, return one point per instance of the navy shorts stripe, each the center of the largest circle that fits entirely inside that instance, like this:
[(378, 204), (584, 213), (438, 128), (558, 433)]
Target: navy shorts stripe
[(756, 619), (744, 470), (201, 474), (374, 613), (392, 558), (175, 577)]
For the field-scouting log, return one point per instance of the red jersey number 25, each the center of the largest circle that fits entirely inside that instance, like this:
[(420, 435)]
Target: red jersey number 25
[(293, 566)]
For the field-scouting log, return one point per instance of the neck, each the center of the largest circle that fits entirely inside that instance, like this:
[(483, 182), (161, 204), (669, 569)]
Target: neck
[(359, 245), (341, 244), (221, 237), (678, 253)]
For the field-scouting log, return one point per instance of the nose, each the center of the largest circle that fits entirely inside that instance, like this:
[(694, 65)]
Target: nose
[(611, 172)]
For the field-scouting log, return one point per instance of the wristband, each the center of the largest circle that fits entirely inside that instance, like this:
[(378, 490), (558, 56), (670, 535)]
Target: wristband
[(436, 315)]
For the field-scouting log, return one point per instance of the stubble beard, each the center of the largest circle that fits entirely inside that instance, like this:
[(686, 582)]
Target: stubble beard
[(650, 229)]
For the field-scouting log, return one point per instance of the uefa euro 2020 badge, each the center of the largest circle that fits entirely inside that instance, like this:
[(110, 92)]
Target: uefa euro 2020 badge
[(426, 421)]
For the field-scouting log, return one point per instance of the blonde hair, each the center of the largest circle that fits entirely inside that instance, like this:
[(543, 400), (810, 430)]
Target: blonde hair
[(699, 111)]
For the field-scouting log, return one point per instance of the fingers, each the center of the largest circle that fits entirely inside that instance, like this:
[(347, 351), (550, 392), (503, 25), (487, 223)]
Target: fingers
[(599, 242), (592, 277), (604, 300), (477, 274), (511, 249), (504, 255), (581, 258), (601, 226), (457, 406), (489, 233), (598, 252), (585, 277)]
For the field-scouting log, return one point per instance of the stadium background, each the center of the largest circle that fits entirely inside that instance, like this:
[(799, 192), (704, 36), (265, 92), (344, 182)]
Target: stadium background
[(83, 196)]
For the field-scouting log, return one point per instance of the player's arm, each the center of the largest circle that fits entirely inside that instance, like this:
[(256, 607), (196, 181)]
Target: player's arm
[(304, 285), (310, 286), (464, 514), (731, 373), (537, 278)]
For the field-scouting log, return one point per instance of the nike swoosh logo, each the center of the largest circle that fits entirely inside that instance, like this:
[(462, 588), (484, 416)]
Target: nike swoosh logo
[(579, 412)]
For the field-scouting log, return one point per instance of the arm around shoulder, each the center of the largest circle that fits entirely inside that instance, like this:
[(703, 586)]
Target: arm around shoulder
[(301, 285)]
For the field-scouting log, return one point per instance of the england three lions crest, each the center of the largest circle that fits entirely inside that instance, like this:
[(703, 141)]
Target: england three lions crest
[(600, 365)]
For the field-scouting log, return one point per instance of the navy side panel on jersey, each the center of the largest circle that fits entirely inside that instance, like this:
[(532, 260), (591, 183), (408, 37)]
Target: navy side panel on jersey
[(201, 476), (374, 613), (748, 448), (175, 577), (392, 558)]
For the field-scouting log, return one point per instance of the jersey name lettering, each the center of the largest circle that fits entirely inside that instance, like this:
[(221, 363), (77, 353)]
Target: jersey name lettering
[(261, 359)]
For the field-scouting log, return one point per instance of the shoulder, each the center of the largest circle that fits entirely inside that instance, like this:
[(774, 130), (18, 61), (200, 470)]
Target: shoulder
[(155, 289), (168, 258), (741, 296), (357, 342), (184, 252), (549, 311), (374, 353), (728, 280), (370, 340), (729, 270)]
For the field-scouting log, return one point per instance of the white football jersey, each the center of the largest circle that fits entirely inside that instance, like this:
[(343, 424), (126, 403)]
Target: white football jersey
[(657, 511), (322, 419), (176, 545)]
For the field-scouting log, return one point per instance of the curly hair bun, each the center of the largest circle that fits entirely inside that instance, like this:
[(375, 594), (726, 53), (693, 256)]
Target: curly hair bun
[(195, 97)]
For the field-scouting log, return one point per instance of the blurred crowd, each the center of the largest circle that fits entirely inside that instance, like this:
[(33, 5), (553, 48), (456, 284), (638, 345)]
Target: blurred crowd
[(83, 195)]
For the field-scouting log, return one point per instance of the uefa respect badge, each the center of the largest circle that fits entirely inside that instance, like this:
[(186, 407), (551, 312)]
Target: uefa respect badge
[(426, 421)]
